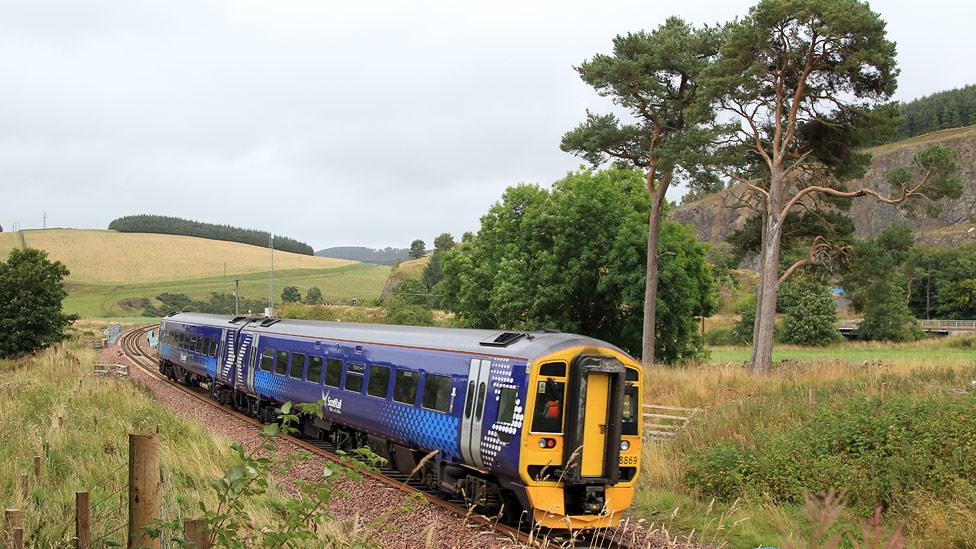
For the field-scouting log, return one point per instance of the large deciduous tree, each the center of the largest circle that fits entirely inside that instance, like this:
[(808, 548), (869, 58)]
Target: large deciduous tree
[(805, 82), (655, 77), (572, 259), (31, 296)]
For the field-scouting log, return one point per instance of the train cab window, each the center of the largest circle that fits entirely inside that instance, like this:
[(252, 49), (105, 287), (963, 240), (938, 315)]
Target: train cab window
[(379, 381), (354, 377), (437, 393), (631, 410), (405, 386), (314, 369), (297, 366), (333, 373), (267, 360), (281, 363), (548, 415), (506, 411)]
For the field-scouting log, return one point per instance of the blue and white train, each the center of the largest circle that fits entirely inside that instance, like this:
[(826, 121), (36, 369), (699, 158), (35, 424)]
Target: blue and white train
[(544, 422)]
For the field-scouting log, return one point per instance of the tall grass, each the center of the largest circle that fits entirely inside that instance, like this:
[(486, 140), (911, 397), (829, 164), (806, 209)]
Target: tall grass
[(740, 409), (51, 406)]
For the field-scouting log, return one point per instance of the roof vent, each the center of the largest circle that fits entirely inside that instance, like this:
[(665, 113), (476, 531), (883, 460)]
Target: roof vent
[(503, 339), (269, 321), (236, 319)]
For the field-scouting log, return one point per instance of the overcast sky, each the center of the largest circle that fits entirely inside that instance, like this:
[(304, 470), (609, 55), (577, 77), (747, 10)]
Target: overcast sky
[(336, 123)]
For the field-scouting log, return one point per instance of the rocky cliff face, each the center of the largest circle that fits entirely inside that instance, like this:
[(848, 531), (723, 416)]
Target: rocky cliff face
[(715, 217)]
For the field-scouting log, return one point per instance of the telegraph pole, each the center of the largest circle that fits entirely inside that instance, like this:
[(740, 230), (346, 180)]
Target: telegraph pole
[(271, 276), (45, 220), (237, 296)]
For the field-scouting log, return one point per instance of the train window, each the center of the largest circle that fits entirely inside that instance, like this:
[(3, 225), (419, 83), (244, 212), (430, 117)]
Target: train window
[(506, 411), (267, 360), (631, 374), (193, 344), (214, 344), (469, 403), (379, 381), (297, 365), (333, 373), (405, 386), (553, 369), (548, 416), (630, 411), (482, 389), (354, 377), (281, 363), (314, 369), (437, 393), (200, 342)]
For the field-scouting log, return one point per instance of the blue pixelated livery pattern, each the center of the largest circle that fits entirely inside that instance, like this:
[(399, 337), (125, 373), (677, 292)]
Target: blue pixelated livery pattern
[(423, 428)]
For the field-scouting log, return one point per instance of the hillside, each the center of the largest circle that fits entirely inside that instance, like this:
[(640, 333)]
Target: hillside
[(715, 217), (109, 257), (385, 256), (111, 272)]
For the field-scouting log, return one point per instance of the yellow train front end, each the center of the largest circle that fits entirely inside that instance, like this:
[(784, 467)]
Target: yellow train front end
[(580, 456)]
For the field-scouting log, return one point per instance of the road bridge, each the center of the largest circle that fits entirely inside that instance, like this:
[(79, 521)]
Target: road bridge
[(848, 328)]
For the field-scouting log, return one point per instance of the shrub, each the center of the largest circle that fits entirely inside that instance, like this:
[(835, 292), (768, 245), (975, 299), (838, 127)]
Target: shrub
[(887, 316), (811, 318), (722, 336), (876, 453)]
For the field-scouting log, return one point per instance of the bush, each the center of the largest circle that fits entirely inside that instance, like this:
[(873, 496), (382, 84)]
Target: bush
[(722, 337), (31, 296), (402, 312), (887, 316), (742, 331), (876, 453), (811, 318)]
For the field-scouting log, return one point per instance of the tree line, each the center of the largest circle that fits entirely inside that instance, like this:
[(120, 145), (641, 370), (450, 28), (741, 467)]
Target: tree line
[(174, 225), (939, 111)]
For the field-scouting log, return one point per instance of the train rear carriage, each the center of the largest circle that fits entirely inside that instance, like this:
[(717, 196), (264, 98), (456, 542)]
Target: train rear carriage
[(544, 422)]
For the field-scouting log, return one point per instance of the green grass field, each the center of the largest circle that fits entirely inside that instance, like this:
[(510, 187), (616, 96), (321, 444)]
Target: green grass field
[(110, 270), (355, 281)]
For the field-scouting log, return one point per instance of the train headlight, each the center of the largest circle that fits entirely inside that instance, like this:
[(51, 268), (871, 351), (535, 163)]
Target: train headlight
[(547, 443), (624, 445)]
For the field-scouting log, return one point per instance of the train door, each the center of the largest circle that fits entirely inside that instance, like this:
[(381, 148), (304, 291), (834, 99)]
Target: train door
[(225, 370), (595, 423), (244, 378), (474, 409)]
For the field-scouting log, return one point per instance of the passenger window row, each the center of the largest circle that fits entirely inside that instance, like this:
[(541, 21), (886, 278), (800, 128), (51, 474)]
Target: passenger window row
[(406, 383), (201, 345)]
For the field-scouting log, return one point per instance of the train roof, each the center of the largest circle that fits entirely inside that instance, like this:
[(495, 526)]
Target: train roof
[(515, 344)]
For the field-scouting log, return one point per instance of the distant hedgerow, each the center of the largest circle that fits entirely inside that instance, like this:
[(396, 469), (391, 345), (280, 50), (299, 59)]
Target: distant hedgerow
[(162, 224)]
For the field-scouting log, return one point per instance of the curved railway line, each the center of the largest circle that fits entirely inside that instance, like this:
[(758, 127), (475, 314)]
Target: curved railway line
[(130, 343)]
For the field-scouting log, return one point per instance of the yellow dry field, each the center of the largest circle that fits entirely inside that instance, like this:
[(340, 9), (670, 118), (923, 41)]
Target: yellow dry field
[(412, 268), (109, 257)]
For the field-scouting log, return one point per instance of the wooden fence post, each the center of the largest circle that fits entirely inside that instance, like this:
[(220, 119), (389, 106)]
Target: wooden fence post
[(24, 487), (884, 387), (37, 468), (12, 519), (18, 538), (82, 511), (195, 532), (144, 487)]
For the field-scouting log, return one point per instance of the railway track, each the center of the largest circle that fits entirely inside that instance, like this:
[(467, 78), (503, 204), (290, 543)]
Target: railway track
[(130, 344)]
